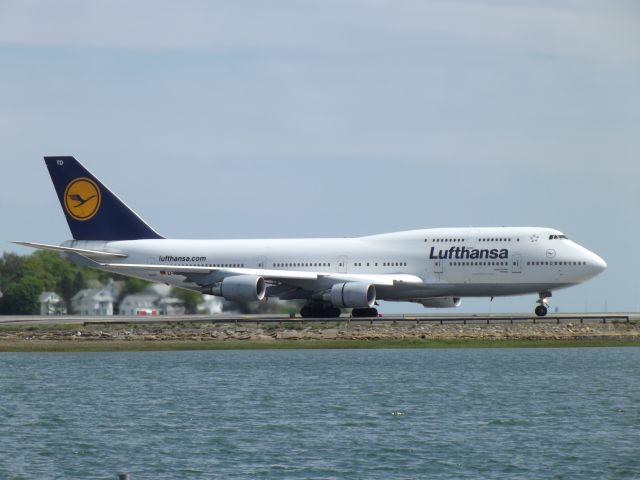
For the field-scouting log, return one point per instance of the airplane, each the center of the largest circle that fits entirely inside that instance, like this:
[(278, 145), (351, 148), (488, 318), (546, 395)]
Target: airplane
[(433, 267), (80, 200)]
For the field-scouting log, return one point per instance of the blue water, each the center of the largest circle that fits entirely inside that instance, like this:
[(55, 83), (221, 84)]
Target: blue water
[(521, 413)]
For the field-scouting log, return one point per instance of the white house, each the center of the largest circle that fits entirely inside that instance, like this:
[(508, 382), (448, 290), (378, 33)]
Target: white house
[(171, 306), (139, 303), (151, 302), (51, 304), (93, 301)]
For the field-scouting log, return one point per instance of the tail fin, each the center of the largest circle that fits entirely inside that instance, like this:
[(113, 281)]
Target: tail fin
[(92, 211)]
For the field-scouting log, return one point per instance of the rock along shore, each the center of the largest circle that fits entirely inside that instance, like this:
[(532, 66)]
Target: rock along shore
[(300, 332)]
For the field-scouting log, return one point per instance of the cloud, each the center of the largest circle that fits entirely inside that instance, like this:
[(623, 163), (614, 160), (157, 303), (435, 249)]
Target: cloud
[(591, 30)]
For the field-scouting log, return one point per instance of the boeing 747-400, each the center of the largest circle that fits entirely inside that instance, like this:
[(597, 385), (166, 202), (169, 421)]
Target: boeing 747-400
[(434, 267)]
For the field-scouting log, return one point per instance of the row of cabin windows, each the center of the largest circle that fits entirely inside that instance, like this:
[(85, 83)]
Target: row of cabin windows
[(496, 239), (466, 264), (443, 240), (384, 264), (305, 264), (556, 263), (213, 265), (391, 264), (453, 240), (325, 264)]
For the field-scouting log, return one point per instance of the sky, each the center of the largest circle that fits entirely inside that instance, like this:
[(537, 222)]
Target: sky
[(252, 119)]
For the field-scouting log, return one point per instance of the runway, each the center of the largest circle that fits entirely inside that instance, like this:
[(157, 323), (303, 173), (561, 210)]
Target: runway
[(495, 318)]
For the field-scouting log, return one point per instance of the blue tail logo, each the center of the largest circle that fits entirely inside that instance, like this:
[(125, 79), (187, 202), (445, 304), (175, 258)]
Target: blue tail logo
[(93, 212), (82, 199)]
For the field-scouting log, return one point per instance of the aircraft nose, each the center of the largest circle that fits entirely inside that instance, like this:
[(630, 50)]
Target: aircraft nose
[(597, 263)]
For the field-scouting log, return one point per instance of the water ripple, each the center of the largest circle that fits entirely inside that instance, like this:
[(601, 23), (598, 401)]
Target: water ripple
[(557, 413)]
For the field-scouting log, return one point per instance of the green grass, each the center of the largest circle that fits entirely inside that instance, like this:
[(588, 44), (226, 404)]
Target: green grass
[(37, 327), (167, 345)]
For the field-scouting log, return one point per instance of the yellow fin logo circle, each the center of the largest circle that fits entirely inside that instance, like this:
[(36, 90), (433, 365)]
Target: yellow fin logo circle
[(82, 199)]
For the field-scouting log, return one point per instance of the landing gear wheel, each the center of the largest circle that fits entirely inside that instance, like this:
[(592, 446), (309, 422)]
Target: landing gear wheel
[(543, 304), (541, 310), (307, 312), (331, 312), (364, 312), (312, 311)]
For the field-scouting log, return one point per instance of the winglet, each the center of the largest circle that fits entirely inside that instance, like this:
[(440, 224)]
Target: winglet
[(93, 212)]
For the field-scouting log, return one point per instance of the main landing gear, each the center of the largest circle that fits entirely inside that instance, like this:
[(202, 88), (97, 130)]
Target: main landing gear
[(543, 307), (364, 312), (318, 310), (314, 310)]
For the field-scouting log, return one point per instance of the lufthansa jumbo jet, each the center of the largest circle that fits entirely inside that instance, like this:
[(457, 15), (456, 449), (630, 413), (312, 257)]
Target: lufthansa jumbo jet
[(433, 267)]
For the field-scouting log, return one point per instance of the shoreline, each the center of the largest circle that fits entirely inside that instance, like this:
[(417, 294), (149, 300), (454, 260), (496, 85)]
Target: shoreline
[(298, 335)]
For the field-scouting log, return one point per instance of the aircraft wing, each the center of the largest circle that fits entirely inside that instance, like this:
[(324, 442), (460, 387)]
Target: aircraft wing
[(95, 254), (186, 269), (281, 276)]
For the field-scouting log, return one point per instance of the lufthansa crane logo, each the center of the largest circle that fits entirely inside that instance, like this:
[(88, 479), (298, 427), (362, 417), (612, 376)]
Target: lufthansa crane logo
[(82, 199)]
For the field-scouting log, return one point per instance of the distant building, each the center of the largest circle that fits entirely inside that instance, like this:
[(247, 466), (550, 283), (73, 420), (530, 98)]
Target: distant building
[(115, 287), (171, 306), (93, 301), (51, 304), (139, 303), (154, 300)]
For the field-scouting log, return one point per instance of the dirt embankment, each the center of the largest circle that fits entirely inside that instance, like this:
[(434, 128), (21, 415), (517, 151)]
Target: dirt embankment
[(302, 332)]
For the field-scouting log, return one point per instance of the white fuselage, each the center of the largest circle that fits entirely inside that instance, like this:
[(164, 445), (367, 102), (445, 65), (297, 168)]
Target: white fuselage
[(448, 261)]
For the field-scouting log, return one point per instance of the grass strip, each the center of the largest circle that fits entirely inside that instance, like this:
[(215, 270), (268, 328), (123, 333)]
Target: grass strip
[(177, 345)]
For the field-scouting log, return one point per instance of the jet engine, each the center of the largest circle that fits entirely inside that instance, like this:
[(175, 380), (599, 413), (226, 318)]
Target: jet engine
[(440, 302), (353, 295), (239, 288)]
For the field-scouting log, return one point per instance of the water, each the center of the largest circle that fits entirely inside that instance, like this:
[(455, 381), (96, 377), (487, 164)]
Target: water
[(521, 413)]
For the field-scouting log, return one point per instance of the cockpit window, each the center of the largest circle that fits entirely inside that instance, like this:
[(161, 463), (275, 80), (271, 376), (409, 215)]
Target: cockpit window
[(557, 237)]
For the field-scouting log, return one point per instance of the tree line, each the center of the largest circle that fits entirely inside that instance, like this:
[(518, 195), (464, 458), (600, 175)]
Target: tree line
[(24, 277)]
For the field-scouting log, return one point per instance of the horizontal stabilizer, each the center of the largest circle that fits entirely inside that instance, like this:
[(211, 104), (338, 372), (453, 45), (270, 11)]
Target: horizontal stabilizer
[(80, 251)]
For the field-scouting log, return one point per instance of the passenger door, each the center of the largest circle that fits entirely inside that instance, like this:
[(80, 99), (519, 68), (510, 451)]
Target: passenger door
[(438, 266), (342, 264), (516, 264)]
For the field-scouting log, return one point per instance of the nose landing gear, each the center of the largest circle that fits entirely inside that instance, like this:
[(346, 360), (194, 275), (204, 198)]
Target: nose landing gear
[(541, 310), (543, 307)]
